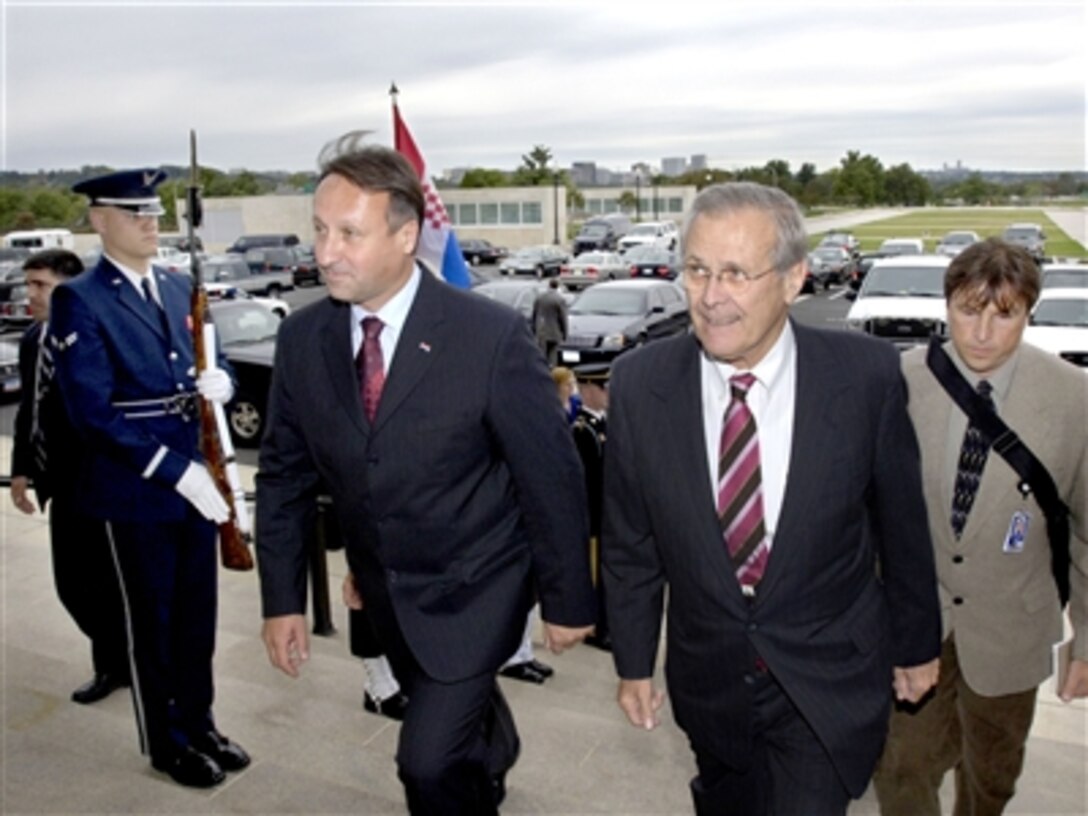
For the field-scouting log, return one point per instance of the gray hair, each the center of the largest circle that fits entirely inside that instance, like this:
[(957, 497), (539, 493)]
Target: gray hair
[(717, 200)]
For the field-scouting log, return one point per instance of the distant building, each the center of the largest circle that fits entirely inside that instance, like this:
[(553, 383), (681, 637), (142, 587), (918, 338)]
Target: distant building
[(698, 162), (675, 166), (583, 174)]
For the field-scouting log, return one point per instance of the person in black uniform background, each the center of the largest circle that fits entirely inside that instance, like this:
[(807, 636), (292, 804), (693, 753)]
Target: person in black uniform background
[(46, 452), (589, 437), (124, 359)]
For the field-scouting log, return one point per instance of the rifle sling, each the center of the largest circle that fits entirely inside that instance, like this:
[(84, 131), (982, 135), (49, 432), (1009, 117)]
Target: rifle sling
[(1034, 477)]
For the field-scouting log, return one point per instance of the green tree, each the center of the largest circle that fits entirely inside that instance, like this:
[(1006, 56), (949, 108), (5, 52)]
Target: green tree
[(903, 186), (860, 181), (479, 177), (627, 201), (534, 170)]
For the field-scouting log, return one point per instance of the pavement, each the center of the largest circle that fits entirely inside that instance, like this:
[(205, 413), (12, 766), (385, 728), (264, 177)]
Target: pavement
[(315, 751)]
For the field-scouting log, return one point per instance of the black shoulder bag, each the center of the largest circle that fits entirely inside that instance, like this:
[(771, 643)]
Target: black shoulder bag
[(1033, 474)]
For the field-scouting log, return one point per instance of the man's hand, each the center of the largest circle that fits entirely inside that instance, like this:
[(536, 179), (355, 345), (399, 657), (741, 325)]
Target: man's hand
[(912, 683), (19, 494), (640, 701), (350, 592), (287, 641), (560, 638), (1076, 681), (214, 385), (198, 487)]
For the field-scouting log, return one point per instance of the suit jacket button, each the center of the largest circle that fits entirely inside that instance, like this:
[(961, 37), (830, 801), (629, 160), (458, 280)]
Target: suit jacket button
[(392, 575), (749, 679), (957, 601), (957, 559), (753, 627)]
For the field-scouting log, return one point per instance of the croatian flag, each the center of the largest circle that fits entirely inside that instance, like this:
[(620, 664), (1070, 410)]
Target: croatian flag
[(438, 247)]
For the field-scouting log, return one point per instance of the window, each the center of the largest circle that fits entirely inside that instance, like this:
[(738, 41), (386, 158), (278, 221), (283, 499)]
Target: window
[(466, 214), (489, 213), (594, 206), (530, 212), (510, 212), (611, 205), (676, 205)]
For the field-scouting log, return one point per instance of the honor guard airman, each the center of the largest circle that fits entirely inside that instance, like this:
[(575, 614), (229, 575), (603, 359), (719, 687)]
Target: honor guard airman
[(125, 363)]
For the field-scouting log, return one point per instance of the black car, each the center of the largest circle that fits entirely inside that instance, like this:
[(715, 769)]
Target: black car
[(478, 251), (862, 265), (244, 243), (518, 294), (611, 317), (14, 305), (247, 335), (652, 262), (10, 379)]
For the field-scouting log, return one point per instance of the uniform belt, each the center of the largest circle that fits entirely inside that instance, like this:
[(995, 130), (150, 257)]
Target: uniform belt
[(183, 405)]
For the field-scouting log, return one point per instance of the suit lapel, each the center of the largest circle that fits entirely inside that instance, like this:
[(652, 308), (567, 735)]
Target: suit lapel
[(420, 342), (336, 352)]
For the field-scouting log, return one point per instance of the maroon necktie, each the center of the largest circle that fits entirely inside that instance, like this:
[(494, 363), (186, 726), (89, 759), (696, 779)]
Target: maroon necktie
[(371, 367), (740, 489)]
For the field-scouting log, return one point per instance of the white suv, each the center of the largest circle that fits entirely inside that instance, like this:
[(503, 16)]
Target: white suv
[(651, 233), (901, 300)]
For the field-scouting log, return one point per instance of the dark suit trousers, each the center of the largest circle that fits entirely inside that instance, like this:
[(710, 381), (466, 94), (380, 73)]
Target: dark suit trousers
[(86, 581), (168, 580), (790, 774), (455, 737)]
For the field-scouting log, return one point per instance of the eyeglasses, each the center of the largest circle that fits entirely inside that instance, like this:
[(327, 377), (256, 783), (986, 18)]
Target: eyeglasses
[(733, 277)]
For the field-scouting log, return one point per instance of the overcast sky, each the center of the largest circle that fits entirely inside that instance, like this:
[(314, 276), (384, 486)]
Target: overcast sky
[(995, 85)]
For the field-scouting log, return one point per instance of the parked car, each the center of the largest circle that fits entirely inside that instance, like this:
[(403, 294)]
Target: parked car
[(541, 261), (478, 251), (902, 300), (903, 246), (1059, 324), (10, 379), (601, 233), (831, 264), (956, 242), (285, 262), (173, 260), (590, 267), (304, 268), (840, 238), (652, 262), (181, 243), (247, 336), (12, 271), (227, 291), (658, 233), (518, 294), (244, 243), (1065, 276), (237, 270), (614, 316), (14, 254), (862, 265), (1030, 236), (14, 305)]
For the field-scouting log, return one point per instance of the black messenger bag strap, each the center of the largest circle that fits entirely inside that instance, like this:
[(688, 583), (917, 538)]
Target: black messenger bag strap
[(1034, 477)]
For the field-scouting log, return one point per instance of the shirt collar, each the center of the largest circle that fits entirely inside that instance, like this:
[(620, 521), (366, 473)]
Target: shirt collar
[(771, 369), (1000, 380), (395, 311), (136, 278)]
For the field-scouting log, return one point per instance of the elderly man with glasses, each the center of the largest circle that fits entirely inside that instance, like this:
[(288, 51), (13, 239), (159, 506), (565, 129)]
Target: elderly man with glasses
[(767, 475)]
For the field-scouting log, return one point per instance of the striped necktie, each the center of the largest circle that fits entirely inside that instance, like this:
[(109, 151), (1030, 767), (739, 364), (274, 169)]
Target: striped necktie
[(740, 489), (973, 454), (43, 377)]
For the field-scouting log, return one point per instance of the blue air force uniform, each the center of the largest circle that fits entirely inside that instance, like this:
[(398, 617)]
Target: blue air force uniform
[(127, 373)]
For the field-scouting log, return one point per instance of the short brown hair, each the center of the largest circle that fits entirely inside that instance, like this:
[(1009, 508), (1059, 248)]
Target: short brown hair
[(990, 271), (379, 169)]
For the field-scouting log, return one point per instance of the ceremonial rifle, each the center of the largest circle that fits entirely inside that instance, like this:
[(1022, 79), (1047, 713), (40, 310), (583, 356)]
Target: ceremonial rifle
[(215, 443)]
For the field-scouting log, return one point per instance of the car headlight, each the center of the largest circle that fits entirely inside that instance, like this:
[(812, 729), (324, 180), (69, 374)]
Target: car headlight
[(613, 341)]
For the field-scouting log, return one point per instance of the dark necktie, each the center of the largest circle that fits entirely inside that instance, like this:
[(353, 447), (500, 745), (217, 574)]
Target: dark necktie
[(154, 309), (371, 367), (43, 377), (973, 453), (740, 488)]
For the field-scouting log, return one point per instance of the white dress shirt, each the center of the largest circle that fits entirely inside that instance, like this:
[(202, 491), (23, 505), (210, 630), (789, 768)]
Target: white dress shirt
[(393, 315), (772, 401)]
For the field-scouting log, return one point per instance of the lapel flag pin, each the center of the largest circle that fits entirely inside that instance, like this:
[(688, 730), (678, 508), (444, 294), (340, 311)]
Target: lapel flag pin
[(425, 346)]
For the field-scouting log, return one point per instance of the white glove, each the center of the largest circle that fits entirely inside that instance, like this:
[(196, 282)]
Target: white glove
[(198, 487), (215, 386)]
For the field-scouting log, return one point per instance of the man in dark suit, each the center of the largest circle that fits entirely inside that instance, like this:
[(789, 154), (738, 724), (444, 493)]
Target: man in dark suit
[(429, 415), (124, 360), (47, 452), (768, 474), (549, 321)]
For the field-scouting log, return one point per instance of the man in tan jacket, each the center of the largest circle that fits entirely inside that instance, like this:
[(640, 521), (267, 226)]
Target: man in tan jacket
[(1000, 606)]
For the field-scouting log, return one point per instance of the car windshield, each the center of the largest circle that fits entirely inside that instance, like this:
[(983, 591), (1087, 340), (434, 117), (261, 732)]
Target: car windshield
[(225, 271), (1065, 278), (904, 281), (1071, 312), (527, 255), (593, 230), (503, 294), (829, 253), (645, 254), (644, 229), (1021, 233), (958, 238), (244, 323), (603, 300), (591, 258)]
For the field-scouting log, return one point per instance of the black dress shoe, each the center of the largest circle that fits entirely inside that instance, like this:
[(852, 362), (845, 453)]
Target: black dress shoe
[(99, 687), (191, 769), (543, 668), (498, 788), (602, 642), (227, 754), (391, 707), (523, 671)]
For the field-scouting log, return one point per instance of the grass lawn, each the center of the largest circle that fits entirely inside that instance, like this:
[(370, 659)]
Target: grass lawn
[(931, 225)]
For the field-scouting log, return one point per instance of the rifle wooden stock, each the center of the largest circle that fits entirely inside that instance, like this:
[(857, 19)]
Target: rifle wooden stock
[(233, 543)]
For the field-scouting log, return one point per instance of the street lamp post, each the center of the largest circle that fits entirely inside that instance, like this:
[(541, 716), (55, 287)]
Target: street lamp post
[(638, 196), (555, 205), (655, 197)]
